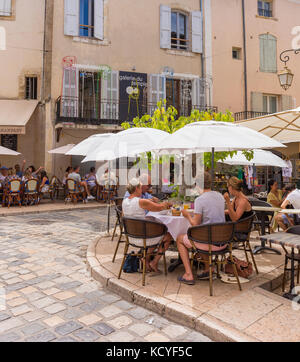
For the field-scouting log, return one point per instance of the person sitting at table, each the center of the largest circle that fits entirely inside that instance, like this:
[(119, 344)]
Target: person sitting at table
[(19, 171), (3, 174), (45, 184), (208, 209), (67, 173), (240, 207), (293, 199), (77, 178), (136, 207), (145, 180), (274, 198), (27, 175), (90, 179)]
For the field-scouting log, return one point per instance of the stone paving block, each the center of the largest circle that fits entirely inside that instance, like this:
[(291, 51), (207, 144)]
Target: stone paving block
[(10, 337), (4, 316), (75, 301), (13, 281), (141, 329), (139, 313), (17, 262), (12, 295), (22, 309), (64, 295), (70, 285), (95, 295), (110, 311), (33, 328), (156, 337), (90, 319), (45, 285), (92, 306), (123, 304), (110, 298), (33, 316), (16, 286), (45, 336), (15, 302), (120, 322), (43, 302), (55, 308), (50, 291), (73, 313), (66, 339), (68, 328), (103, 328), (53, 321), (86, 335), (196, 337), (10, 324), (121, 337), (28, 290), (34, 296), (28, 276), (174, 331)]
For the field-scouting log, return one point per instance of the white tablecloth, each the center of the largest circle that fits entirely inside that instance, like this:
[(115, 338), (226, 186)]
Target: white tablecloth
[(176, 224)]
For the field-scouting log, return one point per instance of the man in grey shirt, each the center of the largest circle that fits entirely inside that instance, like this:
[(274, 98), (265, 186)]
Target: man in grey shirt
[(209, 209), (77, 178)]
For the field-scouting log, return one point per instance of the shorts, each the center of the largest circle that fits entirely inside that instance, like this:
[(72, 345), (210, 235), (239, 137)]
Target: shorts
[(285, 219), (204, 247)]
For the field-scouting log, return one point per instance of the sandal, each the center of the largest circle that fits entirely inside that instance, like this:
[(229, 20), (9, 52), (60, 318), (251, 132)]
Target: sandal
[(185, 281)]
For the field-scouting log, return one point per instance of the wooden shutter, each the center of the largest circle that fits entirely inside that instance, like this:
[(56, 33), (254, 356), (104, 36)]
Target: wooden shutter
[(110, 95), (157, 90), (70, 92), (99, 19), (257, 102), (287, 102), (71, 17), (268, 53), (198, 93), (5, 8), (165, 27), (197, 40)]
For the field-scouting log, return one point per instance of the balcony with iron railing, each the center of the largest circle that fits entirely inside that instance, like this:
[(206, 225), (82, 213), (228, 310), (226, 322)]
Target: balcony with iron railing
[(241, 116), (91, 111)]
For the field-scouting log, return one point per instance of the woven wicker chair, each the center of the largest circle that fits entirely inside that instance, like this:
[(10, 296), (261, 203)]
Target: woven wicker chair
[(73, 191), (12, 193), (54, 188), (290, 256), (142, 229), (242, 231), (31, 192), (119, 223), (213, 235)]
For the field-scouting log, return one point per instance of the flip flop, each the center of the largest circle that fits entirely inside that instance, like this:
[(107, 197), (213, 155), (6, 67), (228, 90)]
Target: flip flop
[(185, 281)]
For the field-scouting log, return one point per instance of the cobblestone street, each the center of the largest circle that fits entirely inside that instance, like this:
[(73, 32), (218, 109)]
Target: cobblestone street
[(50, 296)]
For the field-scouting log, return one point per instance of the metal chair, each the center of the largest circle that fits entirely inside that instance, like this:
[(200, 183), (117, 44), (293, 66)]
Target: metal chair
[(292, 257), (54, 188), (31, 192), (74, 192), (12, 193), (214, 235), (242, 233), (118, 202), (262, 214), (139, 229), (119, 223)]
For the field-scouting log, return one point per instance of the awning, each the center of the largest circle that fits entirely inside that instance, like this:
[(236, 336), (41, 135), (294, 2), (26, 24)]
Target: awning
[(14, 115)]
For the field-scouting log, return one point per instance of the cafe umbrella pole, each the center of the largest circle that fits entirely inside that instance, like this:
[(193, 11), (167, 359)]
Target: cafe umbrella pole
[(212, 166), (108, 209)]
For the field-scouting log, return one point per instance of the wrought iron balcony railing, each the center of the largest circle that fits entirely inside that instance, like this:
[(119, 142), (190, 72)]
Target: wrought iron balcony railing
[(96, 112), (241, 116)]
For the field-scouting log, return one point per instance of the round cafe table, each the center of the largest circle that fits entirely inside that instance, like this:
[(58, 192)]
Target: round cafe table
[(176, 225)]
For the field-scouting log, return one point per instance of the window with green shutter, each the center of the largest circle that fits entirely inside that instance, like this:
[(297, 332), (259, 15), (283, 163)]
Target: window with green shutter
[(268, 53)]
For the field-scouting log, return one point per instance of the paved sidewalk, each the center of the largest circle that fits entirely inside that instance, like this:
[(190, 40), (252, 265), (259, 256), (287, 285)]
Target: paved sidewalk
[(253, 314), (50, 296)]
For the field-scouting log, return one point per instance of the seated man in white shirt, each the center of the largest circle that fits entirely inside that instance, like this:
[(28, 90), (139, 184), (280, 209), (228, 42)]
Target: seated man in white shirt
[(76, 177), (292, 198)]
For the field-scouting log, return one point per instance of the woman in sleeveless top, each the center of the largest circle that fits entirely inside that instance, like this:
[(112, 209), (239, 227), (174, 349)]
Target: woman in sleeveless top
[(240, 207), (136, 207)]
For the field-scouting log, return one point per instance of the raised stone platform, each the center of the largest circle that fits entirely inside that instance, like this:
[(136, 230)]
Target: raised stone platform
[(254, 314)]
